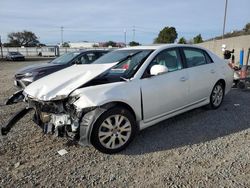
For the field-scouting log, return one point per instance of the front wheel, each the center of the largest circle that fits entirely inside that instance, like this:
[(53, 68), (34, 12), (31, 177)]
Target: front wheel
[(216, 96), (114, 130)]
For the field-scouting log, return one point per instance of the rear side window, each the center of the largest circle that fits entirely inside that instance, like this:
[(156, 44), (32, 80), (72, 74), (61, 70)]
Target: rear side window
[(194, 57), (208, 58)]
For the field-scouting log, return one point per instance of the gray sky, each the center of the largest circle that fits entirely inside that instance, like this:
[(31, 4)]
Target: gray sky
[(103, 20)]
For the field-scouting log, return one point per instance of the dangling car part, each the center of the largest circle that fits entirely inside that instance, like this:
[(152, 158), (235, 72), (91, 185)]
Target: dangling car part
[(15, 98), (11, 122), (105, 104)]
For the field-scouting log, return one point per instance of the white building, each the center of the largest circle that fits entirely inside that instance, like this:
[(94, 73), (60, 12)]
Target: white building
[(83, 44)]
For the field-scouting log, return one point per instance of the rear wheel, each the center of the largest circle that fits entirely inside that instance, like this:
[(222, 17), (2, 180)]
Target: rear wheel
[(241, 85), (114, 130), (217, 96)]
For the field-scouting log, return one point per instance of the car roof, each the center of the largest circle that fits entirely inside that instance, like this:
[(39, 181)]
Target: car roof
[(94, 50), (159, 46)]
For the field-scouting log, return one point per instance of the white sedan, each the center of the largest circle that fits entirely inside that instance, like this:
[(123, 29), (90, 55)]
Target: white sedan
[(106, 103)]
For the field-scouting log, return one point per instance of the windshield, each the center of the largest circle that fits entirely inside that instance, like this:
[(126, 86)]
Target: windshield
[(14, 53), (65, 58), (115, 56), (128, 67)]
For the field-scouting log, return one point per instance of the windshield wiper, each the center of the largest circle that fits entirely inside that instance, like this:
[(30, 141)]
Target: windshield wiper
[(125, 79)]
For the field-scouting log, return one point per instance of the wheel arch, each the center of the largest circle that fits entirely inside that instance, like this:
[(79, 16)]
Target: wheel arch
[(223, 82), (120, 104)]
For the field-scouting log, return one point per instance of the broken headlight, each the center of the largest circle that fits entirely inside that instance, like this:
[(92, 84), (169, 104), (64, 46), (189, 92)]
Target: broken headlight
[(73, 99)]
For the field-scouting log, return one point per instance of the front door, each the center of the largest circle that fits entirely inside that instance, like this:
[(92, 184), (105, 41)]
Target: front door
[(163, 94)]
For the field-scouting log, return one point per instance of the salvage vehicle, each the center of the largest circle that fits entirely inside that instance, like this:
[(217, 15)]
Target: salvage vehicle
[(29, 74), (105, 104), (15, 56)]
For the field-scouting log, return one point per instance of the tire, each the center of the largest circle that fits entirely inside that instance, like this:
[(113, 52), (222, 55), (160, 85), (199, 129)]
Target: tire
[(113, 130), (217, 96), (241, 85)]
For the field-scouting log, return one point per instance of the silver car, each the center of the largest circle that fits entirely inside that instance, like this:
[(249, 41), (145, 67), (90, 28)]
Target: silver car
[(106, 103)]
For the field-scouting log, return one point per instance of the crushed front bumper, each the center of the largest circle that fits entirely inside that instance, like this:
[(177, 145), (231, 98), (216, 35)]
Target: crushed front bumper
[(58, 118)]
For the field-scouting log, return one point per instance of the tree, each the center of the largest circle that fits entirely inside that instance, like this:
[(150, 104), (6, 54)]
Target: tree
[(182, 40), (247, 27), (66, 45), (167, 35), (133, 43), (110, 43), (198, 39), (24, 38)]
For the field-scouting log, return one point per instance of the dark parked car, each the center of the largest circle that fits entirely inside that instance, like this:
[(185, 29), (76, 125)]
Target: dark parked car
[(14, 56), (31, 73)]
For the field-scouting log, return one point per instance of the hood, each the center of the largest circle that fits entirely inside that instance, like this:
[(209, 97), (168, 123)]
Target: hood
[(37, 68), (60, 84)]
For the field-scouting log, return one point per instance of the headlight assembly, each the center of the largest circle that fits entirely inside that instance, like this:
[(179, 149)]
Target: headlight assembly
[(28, 74)]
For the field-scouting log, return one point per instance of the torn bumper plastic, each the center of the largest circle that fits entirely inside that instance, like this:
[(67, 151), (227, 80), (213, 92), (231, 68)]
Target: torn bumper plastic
[(5, 129), (15, 98)]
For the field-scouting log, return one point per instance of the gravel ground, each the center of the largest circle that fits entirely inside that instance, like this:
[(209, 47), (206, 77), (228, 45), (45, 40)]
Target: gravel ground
[(201, 148)]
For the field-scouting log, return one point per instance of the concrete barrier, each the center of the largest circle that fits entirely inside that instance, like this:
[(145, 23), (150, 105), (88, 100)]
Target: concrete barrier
[(236, 43)]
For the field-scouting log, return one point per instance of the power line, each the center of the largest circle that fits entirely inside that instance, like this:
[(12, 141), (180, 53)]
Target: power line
[(133, 33), (62, 34), (225, 18), (125, 37)]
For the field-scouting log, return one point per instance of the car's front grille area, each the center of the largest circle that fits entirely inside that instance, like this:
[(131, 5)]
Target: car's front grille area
[(55, 107)]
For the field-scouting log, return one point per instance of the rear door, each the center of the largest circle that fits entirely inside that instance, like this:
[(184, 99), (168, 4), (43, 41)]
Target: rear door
[(201, 72), (165, 93)]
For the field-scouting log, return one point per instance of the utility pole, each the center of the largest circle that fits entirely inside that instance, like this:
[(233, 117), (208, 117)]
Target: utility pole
[(1, 47), (225, 19), (133, 33), (125, 37), (62, 34)]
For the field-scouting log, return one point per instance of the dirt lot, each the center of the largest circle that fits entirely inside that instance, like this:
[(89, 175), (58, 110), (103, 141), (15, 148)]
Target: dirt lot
[(201, 148)]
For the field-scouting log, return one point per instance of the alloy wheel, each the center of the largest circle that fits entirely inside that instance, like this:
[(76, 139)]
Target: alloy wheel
[(217, 95), (114, 131)]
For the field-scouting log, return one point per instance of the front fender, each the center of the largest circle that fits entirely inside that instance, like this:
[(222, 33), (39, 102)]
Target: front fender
[(87, 123), (96, 96)]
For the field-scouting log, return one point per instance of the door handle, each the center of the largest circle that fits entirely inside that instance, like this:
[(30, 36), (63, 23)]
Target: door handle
[(183, 79), (212, 71)]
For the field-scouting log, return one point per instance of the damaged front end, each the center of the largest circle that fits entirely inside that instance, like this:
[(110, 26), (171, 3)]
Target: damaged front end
[(60, 118), (54, 110)]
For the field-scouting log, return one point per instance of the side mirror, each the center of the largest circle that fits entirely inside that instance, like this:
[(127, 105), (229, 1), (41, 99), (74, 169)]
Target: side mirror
[(158, 69)]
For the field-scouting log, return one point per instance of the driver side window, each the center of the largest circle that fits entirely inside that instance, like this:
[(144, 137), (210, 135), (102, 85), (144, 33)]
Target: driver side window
[(169, 58)]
